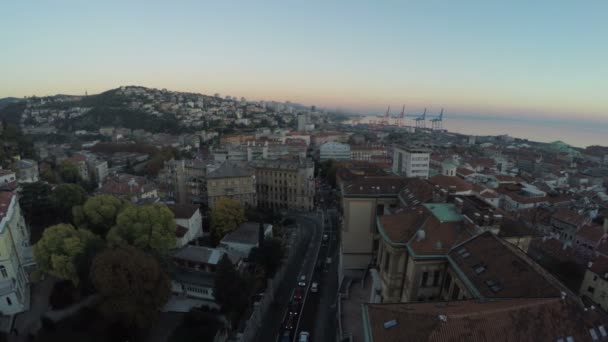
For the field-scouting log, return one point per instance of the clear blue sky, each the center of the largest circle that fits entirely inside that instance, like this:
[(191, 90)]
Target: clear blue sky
[(538, 58)]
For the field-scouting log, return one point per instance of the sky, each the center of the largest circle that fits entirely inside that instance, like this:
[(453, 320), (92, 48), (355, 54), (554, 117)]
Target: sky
[(541, 59)]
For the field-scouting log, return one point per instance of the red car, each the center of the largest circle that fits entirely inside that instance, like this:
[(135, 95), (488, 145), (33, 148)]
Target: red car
[(298, 295)]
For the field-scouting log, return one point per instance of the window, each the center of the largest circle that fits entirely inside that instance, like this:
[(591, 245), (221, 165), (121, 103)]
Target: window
[(436, 278), (456, 292), (8, 301), (594, 278), (590, 289), (448, 282), (3, 272), (425, 278), (387, 258)]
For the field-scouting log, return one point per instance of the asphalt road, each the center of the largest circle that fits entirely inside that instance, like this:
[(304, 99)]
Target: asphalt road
[(319, 312), (273, 327)]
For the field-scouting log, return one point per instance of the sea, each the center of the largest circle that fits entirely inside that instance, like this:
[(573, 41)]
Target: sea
[(575, 133)]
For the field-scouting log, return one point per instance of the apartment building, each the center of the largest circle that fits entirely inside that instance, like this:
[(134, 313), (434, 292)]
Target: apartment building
[(185, 180), (335, 151), (16, 256), (285, 184), (233, 180), (411, 161)]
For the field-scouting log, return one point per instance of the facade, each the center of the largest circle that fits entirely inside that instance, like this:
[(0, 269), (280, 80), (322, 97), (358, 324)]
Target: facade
[(363, 200), (185, 180), (241, 241), (285, 184), (15, 257), (367, 152), (28, 171), (234, 181), (595, 282), (81, 163), (335, 151), (98, 169), (189, 223), (411, 162)]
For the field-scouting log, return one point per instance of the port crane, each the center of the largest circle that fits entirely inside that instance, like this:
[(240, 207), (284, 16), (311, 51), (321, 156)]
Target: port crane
[(421, 120), (437, 122)]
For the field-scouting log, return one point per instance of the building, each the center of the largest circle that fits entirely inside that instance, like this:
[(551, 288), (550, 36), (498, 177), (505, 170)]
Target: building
[(189, 223), (234, 181), (362, 200), (368, 153), (411, 162), (28, 171), (185, 180), (98, 169), (595, 282), (244, 238), (131, 188), (335, 151), (302, 121), (81, 164), (16, 258), (7, 176), (509, 319), (285, 184)]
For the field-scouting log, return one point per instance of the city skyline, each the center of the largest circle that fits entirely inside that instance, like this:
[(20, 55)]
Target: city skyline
[(477, 58)]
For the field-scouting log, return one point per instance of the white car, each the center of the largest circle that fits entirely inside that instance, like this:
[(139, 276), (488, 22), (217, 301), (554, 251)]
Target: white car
[(314, 288), (302, 281), (304, 336)]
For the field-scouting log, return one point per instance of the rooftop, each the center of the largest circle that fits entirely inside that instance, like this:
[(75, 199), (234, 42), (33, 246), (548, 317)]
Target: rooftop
[(495, 270), (184, 211), (374, 186), (520, 319), (451, 182), (444, 212), (230, 169), (200, 254)]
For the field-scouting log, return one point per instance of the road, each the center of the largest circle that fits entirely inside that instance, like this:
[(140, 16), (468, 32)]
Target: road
[(319, 312), (273, 327)]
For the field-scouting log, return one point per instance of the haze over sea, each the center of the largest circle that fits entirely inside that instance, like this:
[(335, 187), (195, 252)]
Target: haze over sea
[(581, 133)]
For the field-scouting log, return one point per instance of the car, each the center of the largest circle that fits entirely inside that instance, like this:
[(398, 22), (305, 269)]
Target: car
[(294, 309), (291, 322), (314, 288), (304, 336), (328, 261), (325, 237), (298, 295), (302, 281), (286, 336)]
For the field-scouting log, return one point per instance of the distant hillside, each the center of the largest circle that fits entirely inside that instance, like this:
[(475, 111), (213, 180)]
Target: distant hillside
[(7, 100)]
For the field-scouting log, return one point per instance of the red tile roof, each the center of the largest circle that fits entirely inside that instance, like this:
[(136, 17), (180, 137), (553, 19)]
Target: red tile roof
[(446, 182), (5, 201), (517, 320), (590, 232)]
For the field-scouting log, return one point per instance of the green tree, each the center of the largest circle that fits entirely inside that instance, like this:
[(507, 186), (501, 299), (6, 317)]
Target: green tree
[(132, 285), (69, 173), (98, 213), (65, 252), (35, 203), (65, 196), (231, 290), (48, 176), (226, 216), (150, 228), (270, 255)]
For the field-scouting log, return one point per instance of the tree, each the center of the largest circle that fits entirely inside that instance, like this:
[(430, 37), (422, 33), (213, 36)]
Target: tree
[(150, 228), (48, 176), (69, 173), (231, 290), (270, 255), (65, 252), (98, 213), (226, 216), (64, 197), (35, 203), (132, 285)]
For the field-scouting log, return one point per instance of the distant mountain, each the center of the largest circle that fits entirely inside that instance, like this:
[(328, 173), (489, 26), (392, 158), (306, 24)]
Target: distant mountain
[(7, 100)]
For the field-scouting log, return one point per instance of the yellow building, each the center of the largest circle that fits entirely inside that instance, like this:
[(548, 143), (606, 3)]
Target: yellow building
[(15, 256), (234, 181)]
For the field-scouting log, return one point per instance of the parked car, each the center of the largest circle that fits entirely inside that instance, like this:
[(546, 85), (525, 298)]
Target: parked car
[(294, 309), (302, 281), (314, 287), (325, 237), (286, 336), (304, 336)]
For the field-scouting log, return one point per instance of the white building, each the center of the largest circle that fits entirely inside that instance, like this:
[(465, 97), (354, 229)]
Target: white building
[(189, 223), (334, 150), (244, 239), (15, 257), (411, 162)]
